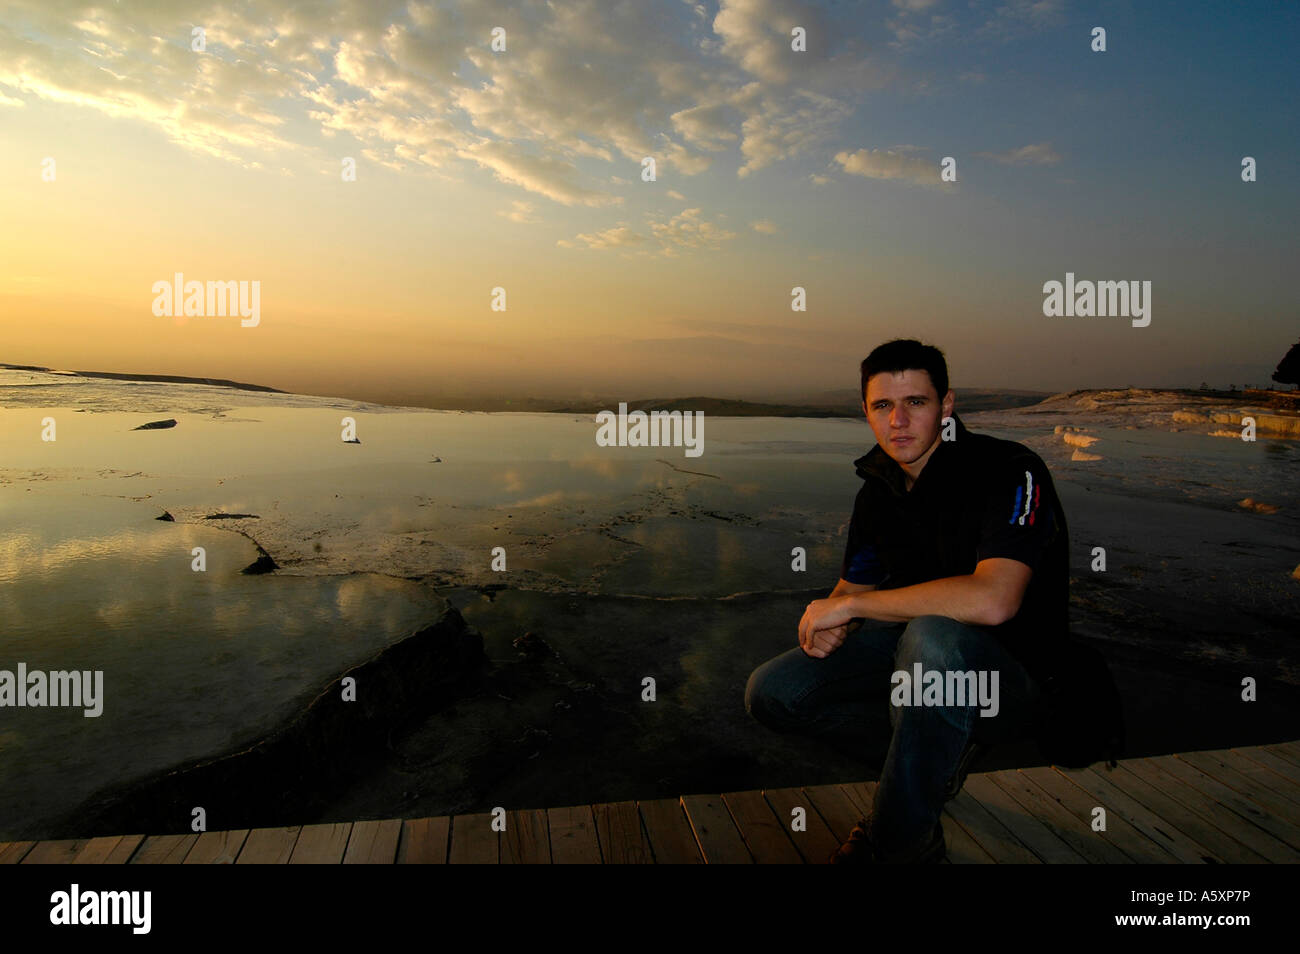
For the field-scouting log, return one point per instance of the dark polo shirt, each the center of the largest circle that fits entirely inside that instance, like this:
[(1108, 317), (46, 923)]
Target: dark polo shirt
[(977, 497)]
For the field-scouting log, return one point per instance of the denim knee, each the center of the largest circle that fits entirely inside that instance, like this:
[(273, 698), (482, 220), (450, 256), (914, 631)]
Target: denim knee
[(936, 642), (767, 697)]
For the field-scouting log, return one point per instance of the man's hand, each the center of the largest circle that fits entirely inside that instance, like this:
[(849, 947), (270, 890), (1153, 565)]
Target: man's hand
[(825, 641), (824, 626)]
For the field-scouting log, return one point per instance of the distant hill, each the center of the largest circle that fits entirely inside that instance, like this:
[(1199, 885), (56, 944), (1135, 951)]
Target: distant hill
[(832, 404), (822, 404), (162, 378), (969, 400), (713, 407)]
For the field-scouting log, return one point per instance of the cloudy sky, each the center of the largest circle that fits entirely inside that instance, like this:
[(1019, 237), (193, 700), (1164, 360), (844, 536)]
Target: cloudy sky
[(522, 169)]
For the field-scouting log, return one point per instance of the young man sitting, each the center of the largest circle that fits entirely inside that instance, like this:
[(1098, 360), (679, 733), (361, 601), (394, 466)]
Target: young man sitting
[(953, 597)]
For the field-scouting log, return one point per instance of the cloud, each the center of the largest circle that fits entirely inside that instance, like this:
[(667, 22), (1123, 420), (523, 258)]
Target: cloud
[(765, 226), (521, 212), (890, 164), (553, 178), (1035, 154), (1016, 17), (705, 126), (686, 230), (418, 86), (619, 236)]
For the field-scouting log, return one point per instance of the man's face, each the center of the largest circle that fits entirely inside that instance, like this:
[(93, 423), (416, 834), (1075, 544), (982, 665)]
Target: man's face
[(906, 414)]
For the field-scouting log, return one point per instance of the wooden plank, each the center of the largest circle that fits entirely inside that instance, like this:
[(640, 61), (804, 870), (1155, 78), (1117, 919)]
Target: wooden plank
[(1030, 831), (764, 834), (424, 841), (473, 842), (840, 812), (217, 847), (1173, 811), (622, 836), (322, 844), (12, 852), (1264, 796), (1259, 775), (1119, 833), (671, 839), (573, 835), (1262, 756), (862, 794), (816, 843), (1116, 801), (97, 851), (1290, 751), (961, 848), (715, 830), (165, 849), (526, 840), (59, 852), (1067, 826), (1277, 827), (374, 842), (989, 833), (268, 846), (125, 850), (1221, 816)]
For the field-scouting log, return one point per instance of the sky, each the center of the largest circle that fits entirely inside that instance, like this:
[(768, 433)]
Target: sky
[(128, 156)]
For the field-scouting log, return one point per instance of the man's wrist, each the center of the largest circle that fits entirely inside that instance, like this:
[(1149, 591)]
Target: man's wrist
[(857, 604)]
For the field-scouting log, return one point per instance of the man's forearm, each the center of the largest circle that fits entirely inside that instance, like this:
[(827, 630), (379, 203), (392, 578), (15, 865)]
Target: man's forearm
[(966, 599)]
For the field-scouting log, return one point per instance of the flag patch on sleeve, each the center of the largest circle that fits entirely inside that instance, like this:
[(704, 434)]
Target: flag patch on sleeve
[(1025, 507)]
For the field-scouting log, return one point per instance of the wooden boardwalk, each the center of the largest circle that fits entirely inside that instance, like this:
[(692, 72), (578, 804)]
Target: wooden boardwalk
[(1229, 806)]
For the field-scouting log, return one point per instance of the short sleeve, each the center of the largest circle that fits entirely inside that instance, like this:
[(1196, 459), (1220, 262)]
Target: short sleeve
[(1019, 513), (862, 563)]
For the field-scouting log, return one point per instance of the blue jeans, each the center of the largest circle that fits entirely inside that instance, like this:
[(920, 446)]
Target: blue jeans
[(847, 697)]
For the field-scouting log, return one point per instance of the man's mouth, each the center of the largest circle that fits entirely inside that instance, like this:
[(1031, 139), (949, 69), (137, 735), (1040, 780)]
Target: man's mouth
[(901, 440)]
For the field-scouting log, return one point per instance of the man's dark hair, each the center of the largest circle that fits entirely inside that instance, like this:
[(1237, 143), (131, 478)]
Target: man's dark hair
[(905, 354)]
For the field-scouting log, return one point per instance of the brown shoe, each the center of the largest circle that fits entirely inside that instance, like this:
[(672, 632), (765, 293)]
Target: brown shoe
[(860, 849)]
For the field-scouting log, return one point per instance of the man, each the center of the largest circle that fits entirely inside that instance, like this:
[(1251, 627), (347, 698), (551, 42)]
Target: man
[(957, 561)]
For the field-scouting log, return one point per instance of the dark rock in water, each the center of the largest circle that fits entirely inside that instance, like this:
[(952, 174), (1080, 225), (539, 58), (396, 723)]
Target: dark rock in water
[(532, 646), (292, 773), (490, 590), (231, 516), (156, 425), (263, 564), (166, 516)]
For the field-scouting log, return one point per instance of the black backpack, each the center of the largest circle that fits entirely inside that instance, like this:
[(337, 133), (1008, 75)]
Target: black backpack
[(1084, 723)]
